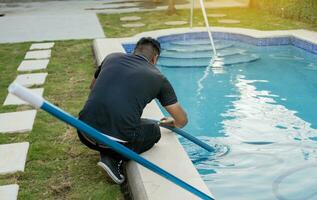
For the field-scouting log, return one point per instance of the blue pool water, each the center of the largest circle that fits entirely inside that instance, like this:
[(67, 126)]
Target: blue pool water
[(260, 116)]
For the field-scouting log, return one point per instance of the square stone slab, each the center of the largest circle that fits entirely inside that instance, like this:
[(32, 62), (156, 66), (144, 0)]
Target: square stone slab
[(29, 80), (46, 45), (13, 157), (41, 54), (14, 100), (9, 192), (216, 15), (228, 21), (30, 65), (17, 122), (174, 23), (135, 25), (130, 18)]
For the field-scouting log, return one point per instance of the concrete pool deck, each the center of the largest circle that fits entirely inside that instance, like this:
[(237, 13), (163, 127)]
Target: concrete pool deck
[(168, 153), (64, 20)]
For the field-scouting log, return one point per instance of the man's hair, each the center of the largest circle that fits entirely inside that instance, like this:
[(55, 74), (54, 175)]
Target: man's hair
[(148, 46)]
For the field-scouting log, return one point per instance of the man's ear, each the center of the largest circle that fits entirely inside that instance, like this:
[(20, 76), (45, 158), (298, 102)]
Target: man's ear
[(154, 59)]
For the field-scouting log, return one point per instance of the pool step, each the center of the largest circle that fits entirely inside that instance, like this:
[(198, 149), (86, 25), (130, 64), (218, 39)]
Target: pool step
[(202, 54), (204, 62), (238, 59), (195, 48), (194, 42)]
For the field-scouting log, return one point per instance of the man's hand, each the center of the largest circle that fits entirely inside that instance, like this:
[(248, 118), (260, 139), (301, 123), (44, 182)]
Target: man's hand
[(167, 121), (178, 115)]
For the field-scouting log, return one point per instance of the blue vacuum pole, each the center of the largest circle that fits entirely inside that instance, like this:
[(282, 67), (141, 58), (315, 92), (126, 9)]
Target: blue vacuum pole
[(38, 102), (188, 136)]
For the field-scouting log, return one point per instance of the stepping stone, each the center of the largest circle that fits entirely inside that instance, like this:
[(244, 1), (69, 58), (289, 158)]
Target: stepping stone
[(130, 18), (135, 25), (119, 5), (9, 192), (14, 100), (29, 80), (228, 21), (175, 23), (46, 45), (13, 157), (216, 15), (17, 122), (30, 65), (41, 54)]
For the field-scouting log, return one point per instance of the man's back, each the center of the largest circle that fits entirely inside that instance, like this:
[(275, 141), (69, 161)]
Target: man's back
[(125, 84)]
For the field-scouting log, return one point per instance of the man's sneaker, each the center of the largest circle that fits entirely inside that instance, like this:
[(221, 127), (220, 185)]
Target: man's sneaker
[(112, 167)]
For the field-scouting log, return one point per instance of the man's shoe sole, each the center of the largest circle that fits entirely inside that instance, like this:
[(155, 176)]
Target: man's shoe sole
[(110, 174)]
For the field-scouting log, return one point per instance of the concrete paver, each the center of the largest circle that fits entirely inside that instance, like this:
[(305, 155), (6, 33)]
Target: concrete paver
[(130, 18), (228, 21), (133, 25), (9, 192), (13, 157), (40, 54), (175, 23), (29, 80), (47, 45), (17, 122), (31, 65), (216, 15), (14, 100)]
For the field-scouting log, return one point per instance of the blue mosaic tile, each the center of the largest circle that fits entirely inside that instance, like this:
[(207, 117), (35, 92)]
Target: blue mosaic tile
[(310, 47), (185, 36), (304, 45)]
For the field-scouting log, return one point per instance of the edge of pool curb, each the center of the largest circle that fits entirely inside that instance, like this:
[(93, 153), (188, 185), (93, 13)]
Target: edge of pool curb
[(168, 153)]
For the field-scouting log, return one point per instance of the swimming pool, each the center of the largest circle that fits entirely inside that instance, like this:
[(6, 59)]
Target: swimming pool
[(259, 116)]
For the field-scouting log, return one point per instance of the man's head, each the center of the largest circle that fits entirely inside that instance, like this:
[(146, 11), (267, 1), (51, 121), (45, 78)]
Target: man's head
[(148, 47)]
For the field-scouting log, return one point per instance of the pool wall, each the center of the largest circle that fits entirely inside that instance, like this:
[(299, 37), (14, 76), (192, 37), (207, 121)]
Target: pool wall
[(168, 153), (303, 39)]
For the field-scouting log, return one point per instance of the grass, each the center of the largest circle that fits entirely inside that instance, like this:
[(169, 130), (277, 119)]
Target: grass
[(58, 165), (250, 18)]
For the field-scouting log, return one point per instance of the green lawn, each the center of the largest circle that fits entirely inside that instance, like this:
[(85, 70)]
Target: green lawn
[(249, 18), (58, 165)]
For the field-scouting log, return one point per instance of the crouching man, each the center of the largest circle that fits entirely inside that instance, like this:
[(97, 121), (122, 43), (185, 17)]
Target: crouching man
[(122, 86)]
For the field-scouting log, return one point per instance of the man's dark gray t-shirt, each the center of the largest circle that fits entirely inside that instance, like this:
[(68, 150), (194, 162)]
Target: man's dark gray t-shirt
[(124, 85)]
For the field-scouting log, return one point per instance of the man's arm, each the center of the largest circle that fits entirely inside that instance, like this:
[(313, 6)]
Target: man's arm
[(168, 99), (179, 116)]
